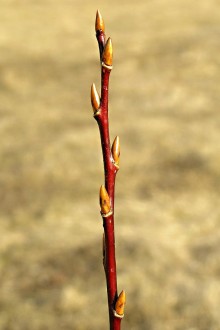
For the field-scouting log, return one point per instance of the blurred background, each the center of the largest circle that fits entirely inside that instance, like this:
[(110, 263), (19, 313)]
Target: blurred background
[(164, 105)]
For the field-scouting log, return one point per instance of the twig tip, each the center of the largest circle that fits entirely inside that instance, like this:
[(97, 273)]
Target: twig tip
[(99, 23)]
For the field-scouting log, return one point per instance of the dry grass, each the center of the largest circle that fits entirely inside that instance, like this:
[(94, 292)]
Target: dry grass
[(164, 105)]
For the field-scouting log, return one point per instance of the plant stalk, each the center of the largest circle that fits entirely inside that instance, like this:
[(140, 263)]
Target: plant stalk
[(110, 171), (107, 193)]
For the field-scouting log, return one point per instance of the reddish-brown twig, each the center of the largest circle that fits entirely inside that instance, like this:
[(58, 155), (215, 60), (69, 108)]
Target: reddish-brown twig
[(111, 165)]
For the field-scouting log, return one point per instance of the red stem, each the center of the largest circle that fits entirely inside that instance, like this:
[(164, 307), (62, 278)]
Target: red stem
[(110, 171), (103, 122), (100, 35)]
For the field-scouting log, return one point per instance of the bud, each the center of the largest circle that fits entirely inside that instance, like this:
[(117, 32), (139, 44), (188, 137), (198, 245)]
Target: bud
[(104, 201), (95, 99), (116, 151), (107, 53), (99, 23), (120, 304)]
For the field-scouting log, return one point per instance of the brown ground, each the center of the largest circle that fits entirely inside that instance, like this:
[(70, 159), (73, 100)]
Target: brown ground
[(164, 104)]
